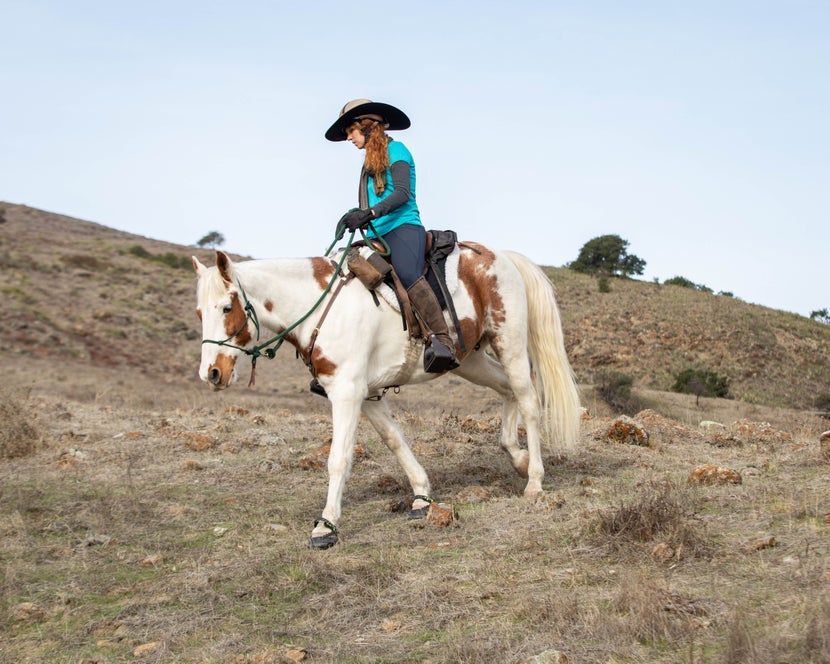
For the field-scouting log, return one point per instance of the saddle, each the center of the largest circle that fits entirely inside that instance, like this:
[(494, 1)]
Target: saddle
[(375, 269)]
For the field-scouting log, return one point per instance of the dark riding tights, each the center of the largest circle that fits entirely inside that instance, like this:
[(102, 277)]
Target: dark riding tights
[(407, 244)]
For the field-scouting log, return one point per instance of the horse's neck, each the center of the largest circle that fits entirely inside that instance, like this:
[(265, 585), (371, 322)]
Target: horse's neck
[(283, 288)]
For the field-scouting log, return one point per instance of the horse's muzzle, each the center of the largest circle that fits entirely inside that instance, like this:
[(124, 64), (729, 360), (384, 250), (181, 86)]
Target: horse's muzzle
[(220, 374)]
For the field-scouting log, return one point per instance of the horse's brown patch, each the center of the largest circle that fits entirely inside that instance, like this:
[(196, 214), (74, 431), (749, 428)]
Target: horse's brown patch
[(471, 331), (225, 364), (322, 270), (479, 278), (269, 306), (236, 322), (199, 313), (323, 366)]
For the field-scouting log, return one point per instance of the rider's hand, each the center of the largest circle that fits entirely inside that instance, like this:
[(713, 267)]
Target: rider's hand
[(355, 219)]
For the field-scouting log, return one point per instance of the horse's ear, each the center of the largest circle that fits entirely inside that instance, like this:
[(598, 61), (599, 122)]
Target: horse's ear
[(197, 265), (223, 262)]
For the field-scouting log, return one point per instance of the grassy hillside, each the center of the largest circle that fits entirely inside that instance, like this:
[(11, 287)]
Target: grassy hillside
[(77, 290), (652, 332), (145, 518)]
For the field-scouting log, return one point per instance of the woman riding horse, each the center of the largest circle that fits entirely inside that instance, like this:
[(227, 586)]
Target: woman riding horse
[(386, 199)]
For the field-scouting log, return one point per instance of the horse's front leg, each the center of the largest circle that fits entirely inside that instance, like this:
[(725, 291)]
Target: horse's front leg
[(380, 418), (345, 413)]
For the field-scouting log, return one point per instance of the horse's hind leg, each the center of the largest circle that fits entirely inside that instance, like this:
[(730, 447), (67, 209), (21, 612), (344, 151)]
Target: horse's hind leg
[(380, 418), (481, 369)]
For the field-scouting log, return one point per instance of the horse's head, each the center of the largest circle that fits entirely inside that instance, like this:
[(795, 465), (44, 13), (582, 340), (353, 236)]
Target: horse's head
[(226, 325)]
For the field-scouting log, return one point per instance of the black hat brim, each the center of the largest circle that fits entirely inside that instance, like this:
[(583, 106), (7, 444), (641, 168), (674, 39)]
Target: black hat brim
[(394, 118)]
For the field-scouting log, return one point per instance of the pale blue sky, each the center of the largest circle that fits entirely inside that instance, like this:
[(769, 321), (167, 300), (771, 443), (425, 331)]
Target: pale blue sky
[(698, 131)]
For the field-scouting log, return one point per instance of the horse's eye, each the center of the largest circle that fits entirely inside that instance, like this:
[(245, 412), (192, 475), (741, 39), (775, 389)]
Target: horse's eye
[(227, 309)]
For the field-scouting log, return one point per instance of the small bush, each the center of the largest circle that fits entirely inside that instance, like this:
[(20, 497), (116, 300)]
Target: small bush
[(19, 433), (822, 403), (139, 251), (683, 282), (701, 383), (660, 513), (614, 388), (168, 258), (604, 284)]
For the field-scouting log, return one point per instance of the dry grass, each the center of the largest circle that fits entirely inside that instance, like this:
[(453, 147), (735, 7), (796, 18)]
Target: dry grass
[(124, 533), (19, 431), (166, 517)]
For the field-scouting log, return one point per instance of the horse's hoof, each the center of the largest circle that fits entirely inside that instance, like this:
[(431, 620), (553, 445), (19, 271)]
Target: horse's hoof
[(418, 514), (421, 512), (323, 542)]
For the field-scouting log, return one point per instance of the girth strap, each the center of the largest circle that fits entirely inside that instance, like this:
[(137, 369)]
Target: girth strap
[(309, 349)]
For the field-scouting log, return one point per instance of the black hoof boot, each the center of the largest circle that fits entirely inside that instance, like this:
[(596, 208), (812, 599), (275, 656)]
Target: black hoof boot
[(321, 542), (421, 512), (316, 388)]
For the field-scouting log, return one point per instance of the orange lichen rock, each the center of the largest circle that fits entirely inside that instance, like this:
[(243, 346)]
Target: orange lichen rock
[(711, 474)]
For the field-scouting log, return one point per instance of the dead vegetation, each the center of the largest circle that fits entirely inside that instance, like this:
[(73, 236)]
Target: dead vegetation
[(148, 519), (19, 431)]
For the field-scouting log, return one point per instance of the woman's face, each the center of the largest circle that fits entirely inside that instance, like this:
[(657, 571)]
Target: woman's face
[(355, 136)]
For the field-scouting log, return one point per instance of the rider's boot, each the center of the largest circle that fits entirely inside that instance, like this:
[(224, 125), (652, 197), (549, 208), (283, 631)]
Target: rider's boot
[(439, 355)]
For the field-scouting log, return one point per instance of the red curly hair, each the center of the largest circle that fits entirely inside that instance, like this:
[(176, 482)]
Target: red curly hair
[(376, 161)]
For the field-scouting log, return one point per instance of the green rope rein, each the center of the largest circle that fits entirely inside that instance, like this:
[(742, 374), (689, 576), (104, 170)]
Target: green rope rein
[(251, 316)]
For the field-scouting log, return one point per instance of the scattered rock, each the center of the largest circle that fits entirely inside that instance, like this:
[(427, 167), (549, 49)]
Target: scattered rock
[(146, 648), (296, 654), (275, 528), (474, 494), (824, 443), (710, 474), (709, 425), (548, 657), (27, 612), (723, 439), (766, 543), (219, 531), (759, 432), (153, 560), (442, 514), (663, 552), (196, 442), (237, 410), (626, 431)]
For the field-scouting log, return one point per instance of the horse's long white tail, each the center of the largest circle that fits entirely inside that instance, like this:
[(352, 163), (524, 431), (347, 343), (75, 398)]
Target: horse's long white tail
[(554, 379)]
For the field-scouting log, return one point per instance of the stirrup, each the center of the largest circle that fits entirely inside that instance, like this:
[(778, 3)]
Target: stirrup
[(438, 358), (315, 387)]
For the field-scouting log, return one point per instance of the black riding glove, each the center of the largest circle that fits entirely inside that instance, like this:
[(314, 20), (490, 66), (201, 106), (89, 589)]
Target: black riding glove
[(355, 219)]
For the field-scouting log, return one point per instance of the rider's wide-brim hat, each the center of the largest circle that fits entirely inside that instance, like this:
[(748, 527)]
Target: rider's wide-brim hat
[(357, 109)]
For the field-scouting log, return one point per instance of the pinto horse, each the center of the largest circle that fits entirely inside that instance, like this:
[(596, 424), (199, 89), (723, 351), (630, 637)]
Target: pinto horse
[(358, 349)]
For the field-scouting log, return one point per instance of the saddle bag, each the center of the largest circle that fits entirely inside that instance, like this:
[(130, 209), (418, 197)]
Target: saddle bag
[(370, 271)]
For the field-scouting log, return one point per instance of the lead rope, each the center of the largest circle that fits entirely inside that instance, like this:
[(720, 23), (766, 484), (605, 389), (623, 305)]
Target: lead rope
[(278, 339)]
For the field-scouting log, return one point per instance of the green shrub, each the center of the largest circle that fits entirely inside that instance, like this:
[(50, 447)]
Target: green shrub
[(604, 285), (139, 251), (701, 383), (683, 282), (614, 388), (168, 258)]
